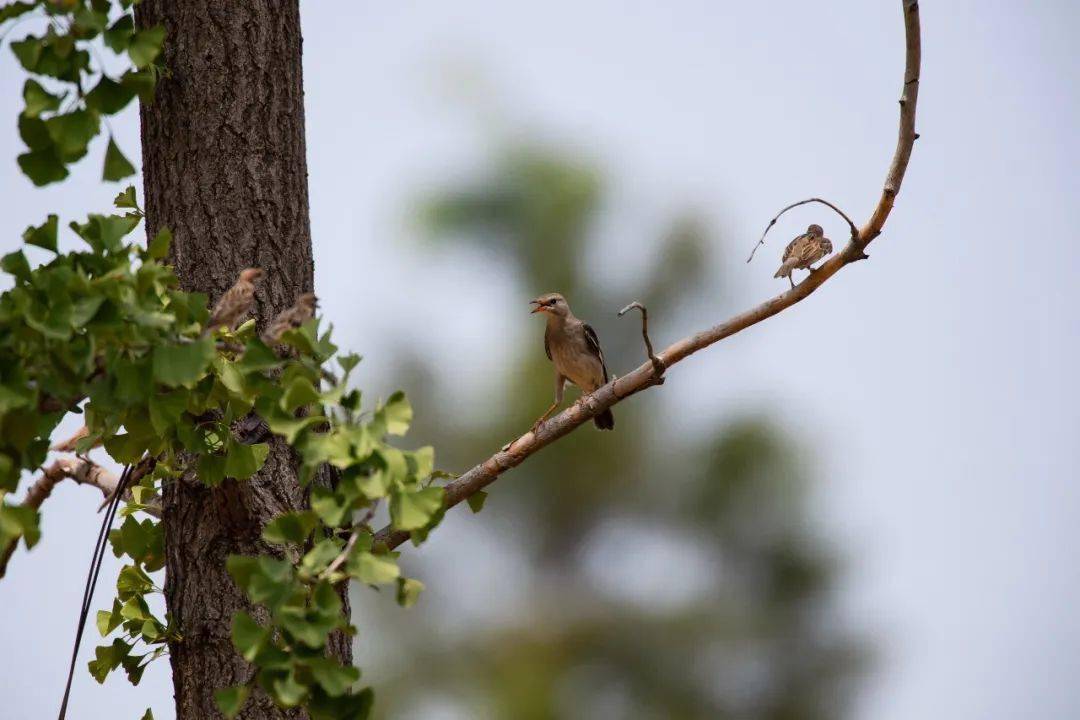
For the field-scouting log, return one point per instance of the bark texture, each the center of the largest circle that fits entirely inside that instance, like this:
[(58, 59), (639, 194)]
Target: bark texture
[(224, 167)]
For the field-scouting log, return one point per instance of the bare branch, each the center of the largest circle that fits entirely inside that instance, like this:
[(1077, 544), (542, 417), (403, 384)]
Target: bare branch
[(82, 471), (841, 213), (658, 367), (644, 376)]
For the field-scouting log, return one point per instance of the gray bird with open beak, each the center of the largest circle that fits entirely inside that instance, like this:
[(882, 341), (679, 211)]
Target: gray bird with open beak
[(575, 350)]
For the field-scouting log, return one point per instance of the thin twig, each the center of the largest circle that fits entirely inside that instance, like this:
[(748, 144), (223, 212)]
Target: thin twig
[(643, 377), (854, 230), (342, 556), (658, 367)]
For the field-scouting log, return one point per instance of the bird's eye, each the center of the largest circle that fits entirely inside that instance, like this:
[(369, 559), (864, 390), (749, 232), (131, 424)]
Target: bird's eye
[(554, 301)]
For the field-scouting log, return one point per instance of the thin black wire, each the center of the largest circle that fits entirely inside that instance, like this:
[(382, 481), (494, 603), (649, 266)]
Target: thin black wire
[(91, 580)]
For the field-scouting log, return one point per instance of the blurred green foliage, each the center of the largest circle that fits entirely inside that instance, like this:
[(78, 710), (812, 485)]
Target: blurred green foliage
[(760, 642)]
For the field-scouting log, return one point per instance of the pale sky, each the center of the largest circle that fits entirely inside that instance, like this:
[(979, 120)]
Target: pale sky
[(938, 380)]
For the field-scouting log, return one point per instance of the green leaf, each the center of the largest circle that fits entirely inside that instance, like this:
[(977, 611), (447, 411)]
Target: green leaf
[(117, 166), (28, 51), (333, 677), (421, 462), (166, 410), (90, 22), (132, 581), (413, 510), (119, 34), (158, 249), (71, 132), (148, 715), (16, 264), (397, 414), (211, 470), (330, 508), (110, 97), (35, 133), (243, 461), (107, 621), (142, 82), (287, 691), (290, 427), (15, 9), (18, 521), (248, 636), (241, 569), (320, 556), (299, 392), (231, 700), (145, 46), (42, 166), (290, 527), (348, 362), (183, 364), (126, 199), (108, 658), (408, 591), (44, 235), (125, 448), (347, 707), (38, 100), (84, 309), (476, 501), (372, 569)]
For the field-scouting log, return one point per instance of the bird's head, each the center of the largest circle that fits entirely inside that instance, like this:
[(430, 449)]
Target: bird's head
[(308, 301), (251, 275), (815, 230), (552, 304)]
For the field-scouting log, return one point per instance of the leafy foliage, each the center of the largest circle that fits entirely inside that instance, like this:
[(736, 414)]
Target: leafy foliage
[(62, 116), (105, 331), (109, 325)]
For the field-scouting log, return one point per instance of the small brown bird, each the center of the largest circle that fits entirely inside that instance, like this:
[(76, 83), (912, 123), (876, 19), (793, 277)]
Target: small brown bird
[(291, 318), (804, 251), (575, 350), (236, 302)]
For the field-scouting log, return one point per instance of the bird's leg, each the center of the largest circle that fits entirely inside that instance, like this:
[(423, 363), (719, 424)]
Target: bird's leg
[(547, 413), (560, 385), (790, 279)]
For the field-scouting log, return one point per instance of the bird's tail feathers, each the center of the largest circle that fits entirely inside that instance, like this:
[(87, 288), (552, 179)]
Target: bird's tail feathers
[(785, 269), (605, 420)]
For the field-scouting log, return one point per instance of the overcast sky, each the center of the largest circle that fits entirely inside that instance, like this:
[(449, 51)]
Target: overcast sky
[(939, 379)]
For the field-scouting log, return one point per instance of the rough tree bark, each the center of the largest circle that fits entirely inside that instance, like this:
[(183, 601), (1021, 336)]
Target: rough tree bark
[(224, 167)]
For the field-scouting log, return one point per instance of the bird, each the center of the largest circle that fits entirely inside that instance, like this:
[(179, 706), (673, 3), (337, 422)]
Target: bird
[(291, 318), (236, 302), (804, 251), (574, 348)]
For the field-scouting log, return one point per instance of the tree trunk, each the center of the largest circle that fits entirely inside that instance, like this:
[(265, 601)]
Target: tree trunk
[(224, 167)]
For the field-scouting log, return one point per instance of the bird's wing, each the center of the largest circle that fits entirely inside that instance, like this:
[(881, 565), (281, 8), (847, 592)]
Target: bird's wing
[(790, 249), (547, 345), (226, 304), (594, 346)]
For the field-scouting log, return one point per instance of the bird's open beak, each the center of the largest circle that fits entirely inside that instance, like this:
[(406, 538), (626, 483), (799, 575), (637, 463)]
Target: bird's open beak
[(539, 307)]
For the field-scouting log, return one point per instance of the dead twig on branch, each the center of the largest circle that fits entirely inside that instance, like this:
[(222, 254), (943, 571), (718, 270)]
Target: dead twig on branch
[(658, 367)]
